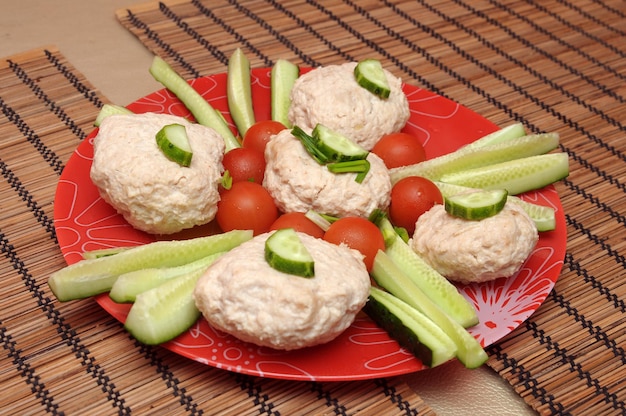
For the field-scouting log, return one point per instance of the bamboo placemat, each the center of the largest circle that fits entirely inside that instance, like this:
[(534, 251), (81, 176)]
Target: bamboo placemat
[(74, 358), (553, 65)]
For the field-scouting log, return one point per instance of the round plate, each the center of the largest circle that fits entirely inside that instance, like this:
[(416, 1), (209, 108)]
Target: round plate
[(84, 221)]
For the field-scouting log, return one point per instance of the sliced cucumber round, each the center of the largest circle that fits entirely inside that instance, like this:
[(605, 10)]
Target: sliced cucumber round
[(476, 205), (370, 75), (173, 141), (285, 252), (336, 146)]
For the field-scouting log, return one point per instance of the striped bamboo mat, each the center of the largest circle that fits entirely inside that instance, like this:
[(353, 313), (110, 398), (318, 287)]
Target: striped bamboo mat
[(553, 65)]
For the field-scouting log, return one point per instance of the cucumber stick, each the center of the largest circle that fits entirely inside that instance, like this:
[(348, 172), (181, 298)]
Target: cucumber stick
[(516, 176), (509, 132), (204, 113), (103, 252), (389, 276), (164, 312), (94, 276), (473, 157), (129, 285), (410, 328), (438, 289), (543, 216), (109, 110), (239, 91), (282, 77)]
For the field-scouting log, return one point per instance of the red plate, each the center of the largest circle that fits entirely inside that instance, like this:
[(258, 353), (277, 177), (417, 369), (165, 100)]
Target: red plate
[(84, 221)]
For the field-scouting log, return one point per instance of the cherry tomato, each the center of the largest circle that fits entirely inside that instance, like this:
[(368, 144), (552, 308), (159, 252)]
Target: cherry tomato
[(246, 206), (299, 222), (399, 149), (245, 164), (410, 198), (359, 234), (257, 136)]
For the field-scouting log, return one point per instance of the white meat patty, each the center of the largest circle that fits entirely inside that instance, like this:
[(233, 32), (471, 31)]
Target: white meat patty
[(153, 193), (298, 183), (475, 251), (240, 294), (330, 96)]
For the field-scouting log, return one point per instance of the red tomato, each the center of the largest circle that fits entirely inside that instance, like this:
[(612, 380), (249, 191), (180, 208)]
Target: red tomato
[(299, 222), (410, 198), (399, 149), (245, 165), (257, 136), (246, 206), (359, 234)]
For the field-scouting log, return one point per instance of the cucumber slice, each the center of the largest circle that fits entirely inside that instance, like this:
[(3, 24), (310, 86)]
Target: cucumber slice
[(161, 314), (438, 289), (337, 147), (513, 131), (370, 75), (476, 205), (410, 328), (282, 77), (474, 157), (388, 275), (544, 217), (109, 110), (204, 113), (129, 285), (94, 276), (173, 141), (516, 176), (285, 252), (239, 91)]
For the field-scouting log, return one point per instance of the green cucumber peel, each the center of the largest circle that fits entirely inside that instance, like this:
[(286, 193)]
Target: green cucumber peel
[(94, 276), (466, 157), (282, 77), (516, 176), (410, 328), (203, 112), (435, 286), (129, 285), (164, 312), (239, 91), (389, 276)]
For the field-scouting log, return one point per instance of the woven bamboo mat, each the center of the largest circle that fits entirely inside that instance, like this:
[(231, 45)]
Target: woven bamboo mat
[(553, 65), (74, 358)]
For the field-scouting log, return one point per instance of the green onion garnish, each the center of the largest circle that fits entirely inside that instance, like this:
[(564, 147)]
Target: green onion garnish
[(361, 167)]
